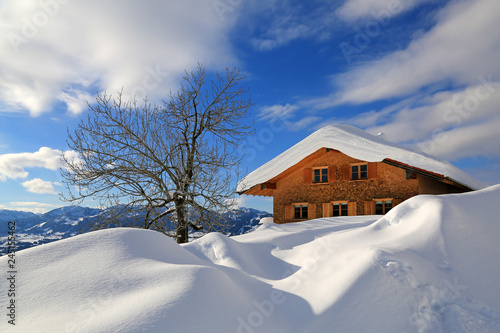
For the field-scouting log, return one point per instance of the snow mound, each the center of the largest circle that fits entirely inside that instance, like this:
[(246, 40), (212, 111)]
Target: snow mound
[(358, 144), (430, 265)]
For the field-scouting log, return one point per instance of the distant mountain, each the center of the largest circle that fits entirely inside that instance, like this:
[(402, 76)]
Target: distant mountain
[(64, 222), (245, 220), (10, 215)]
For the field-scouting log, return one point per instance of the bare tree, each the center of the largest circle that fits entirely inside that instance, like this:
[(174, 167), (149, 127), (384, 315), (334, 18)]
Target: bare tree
[(173, 161)]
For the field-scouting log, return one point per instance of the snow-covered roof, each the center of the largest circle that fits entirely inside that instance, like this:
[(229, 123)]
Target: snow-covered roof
[(358, 144)]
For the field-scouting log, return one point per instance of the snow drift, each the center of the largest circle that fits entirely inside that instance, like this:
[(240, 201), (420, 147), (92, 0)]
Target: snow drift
[(430, 265)]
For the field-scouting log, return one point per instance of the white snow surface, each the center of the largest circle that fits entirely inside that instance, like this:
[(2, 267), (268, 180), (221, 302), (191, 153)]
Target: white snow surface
[(429, 265), (358, 144)]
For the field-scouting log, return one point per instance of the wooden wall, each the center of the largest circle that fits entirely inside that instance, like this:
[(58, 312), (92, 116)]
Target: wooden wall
[(430, 186)]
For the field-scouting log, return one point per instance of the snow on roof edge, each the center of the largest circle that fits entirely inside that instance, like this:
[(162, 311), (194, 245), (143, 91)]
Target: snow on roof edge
[(358, 144)]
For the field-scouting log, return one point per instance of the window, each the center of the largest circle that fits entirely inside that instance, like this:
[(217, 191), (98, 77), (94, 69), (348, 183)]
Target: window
[(340, 209), (359, 171), (320, 175), (300, 211), (382, 206)]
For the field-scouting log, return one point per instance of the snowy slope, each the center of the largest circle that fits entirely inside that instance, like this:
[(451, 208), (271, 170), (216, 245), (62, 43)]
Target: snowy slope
[(358, 144), (430, 265)]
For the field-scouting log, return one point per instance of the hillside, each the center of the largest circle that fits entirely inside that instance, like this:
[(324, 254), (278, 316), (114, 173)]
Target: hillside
[(429, 265)]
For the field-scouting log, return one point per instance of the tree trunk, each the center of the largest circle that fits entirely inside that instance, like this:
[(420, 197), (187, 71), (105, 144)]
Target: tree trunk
[(182, 223)]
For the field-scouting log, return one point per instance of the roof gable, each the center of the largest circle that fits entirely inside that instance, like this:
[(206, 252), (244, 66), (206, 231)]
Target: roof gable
[(358, 144)]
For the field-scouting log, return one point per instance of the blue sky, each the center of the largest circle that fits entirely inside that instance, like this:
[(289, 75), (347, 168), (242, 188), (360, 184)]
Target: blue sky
[(426, 73)]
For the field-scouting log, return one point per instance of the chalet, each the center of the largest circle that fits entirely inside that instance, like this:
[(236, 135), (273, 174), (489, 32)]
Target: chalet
[(341, 170)]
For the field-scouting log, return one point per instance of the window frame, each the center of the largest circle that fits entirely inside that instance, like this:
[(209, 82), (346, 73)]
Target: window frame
[(358, 172), (323, 171), (384, 204), (302, 212), (340, 203)]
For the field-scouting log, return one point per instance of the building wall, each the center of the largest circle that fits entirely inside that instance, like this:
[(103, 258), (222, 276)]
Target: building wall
[(390, 182), (430, 186)]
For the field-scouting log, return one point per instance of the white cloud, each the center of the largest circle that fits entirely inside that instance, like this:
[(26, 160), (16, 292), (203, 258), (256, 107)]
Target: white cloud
[(450, 124), (467, 141), (285, 115), (31, 203), (463, 45), (13, 165), (27, 206), (277, 111), (65, 50), (75, 100), (281, 35), (40, 186), (357, 9)]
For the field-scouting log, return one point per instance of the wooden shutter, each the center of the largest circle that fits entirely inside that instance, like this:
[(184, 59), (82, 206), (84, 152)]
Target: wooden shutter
[(308, 175), (346, 172), (332, 174), (351, 208), (289, 212), (327, 209), (369, 207), (372, 170), (311, 211)]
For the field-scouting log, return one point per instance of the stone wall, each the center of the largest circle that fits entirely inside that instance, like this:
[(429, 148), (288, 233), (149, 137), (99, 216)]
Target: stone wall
[(390, 182)]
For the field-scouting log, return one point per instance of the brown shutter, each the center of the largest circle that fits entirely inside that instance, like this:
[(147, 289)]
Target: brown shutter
[(346, 172), (372, 170), (289, 212), (396, 202), (308, 176), (327, 209), (369, 207), (332, 174), (351, 208), (311, 211)]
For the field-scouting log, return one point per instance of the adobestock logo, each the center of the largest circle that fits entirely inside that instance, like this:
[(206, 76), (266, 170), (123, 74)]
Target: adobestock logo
[(223, 6), (30, 27), (150, 81), (372, 29)]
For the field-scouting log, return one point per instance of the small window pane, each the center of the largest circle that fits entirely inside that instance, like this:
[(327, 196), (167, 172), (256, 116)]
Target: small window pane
[(355, 172), (297, 212), (324, 175), (336, 209), (304, 212), (363, 171), (379, 208), (344, 209), (317, 175), (388, 206)]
